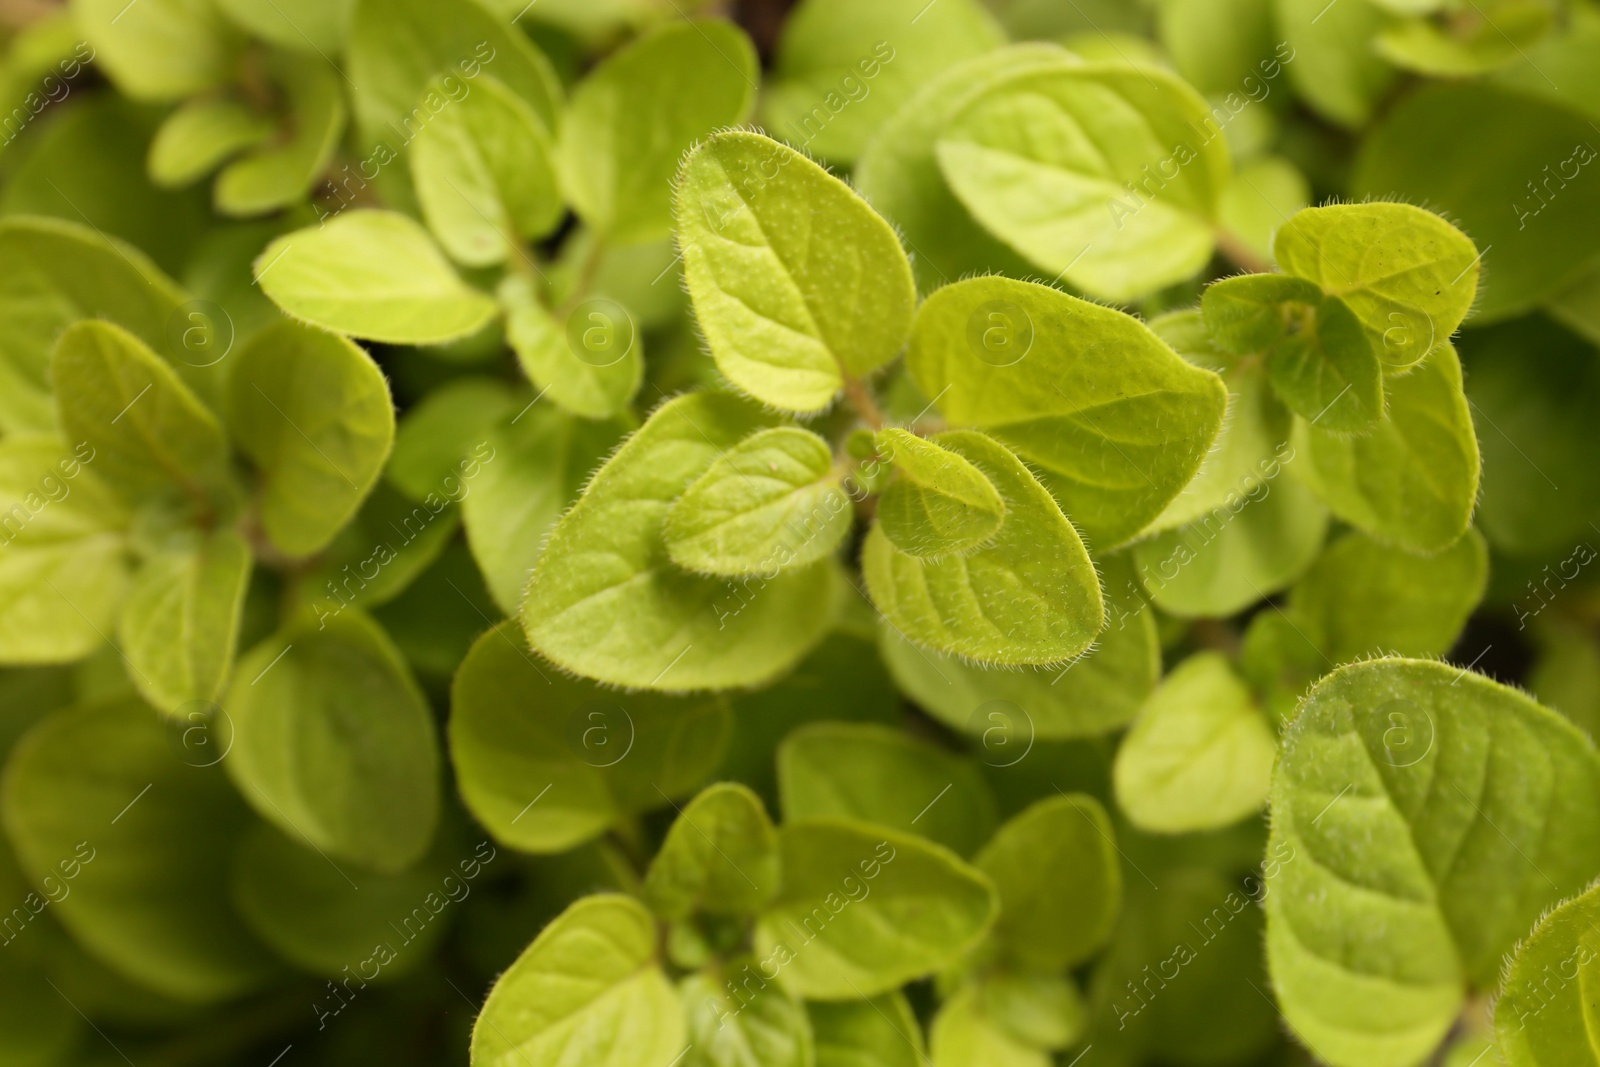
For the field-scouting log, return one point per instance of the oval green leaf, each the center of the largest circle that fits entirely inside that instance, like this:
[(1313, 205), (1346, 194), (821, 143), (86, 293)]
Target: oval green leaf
[(797, 283), (1030, 597)]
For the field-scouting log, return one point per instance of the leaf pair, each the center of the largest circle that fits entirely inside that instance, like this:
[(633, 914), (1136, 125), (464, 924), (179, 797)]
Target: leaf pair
[(1368, 288)]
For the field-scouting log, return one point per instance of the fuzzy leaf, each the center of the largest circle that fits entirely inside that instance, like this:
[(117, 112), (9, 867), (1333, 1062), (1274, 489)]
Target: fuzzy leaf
[(1412, 481), (533, 465), (1437, 807), (939, 503), (1031, 596), (772, 502), (797, 283), (589, 981), (1116, 422), (1408, 275), (607, 602), (1094, 173), (1545, 1013)]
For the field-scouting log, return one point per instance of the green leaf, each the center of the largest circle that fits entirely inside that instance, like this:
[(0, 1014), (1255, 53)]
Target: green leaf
[(1330, 59), (591, 365), (87, 167), (57, 273), (1533, 238), (863, 910), (280, 174), (159, 50), (1030, 597), (843, 69), (484, 174), (1103, 174), (63, 555), (877, 774), (1544, 1014), (1060, 883), (445, 434), (1264, 191), (590, 981), (720, 856), (312, 411), (939, 503), (1424, 46), (899, 173), (963, 1035), (1363, 597), (151, 436), (396, 47), (1249, 449), (334, 744), (371, 274), (797, 283), (881, 1032), (297, 902), (1413, 480), (1045, 1011), (635, 115), (770, 503), (1200, 756), (1249, 547), (1217, 44), (1318, 356), (180, 625), (607, 602), (520, 729), (1408, 275), (737, 1025), (1006, 708), (303, 25), (154, 836), (1116, 422), (1438, 807), (534, 466), (199, 135)]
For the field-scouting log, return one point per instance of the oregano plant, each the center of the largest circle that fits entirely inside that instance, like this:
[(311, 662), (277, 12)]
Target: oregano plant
[(759, 534)]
